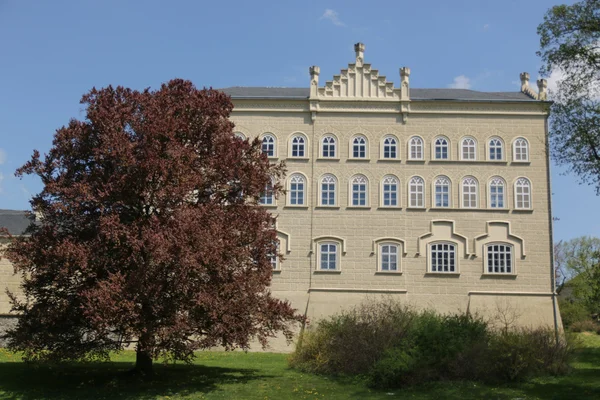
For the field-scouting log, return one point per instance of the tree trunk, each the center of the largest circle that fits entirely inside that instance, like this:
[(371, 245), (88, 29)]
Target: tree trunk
[(143, 363)]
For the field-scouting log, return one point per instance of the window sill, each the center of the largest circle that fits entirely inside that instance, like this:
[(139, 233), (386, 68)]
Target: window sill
[(268, 205), (389, 208), (276, 271), (420, 161), (521, 162), (391, 160), (444, 208), (358, 208), (388, 273), (327, 207), (298, 159), (522, 210), (273, 158), (487, 275), (450, 274), (328, 159), (416, 208), (359, 159), (302, 207), (326, 271)]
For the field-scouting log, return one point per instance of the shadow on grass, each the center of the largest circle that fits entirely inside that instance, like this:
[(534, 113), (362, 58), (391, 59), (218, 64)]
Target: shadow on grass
[(112, 380)]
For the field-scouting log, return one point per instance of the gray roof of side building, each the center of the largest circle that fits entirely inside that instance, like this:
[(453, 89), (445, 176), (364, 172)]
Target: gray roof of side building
[(16, 221), (415, 94)]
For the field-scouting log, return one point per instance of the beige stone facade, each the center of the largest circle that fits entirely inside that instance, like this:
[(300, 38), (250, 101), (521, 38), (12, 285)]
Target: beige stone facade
[(500, 249)]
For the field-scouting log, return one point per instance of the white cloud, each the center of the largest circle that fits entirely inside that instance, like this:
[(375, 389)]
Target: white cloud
[(460, 82), (2, 156), (555, 77), (332, 15)]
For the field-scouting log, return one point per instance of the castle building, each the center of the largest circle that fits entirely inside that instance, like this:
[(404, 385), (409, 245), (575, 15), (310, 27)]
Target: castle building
[(439, 198)]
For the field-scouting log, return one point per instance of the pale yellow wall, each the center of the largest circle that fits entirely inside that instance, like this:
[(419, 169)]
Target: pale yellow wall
[(8, 280)]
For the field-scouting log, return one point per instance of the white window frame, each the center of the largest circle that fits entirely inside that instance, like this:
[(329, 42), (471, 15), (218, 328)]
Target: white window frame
[(390, 180), (521, 144), (504, 192), (394, 146), (334, 144), (381, 255), (473, 183), (412, 182), (262, 201), (336, 253), (501, 256), (274, 258), (331, 179), (496, 143), (365, 144), (447, 146), (304, 145), (365, 181), (526, 197), (418, 146), (430, 258), (434, 202), (471, 149), (273, 144), (297, 178)]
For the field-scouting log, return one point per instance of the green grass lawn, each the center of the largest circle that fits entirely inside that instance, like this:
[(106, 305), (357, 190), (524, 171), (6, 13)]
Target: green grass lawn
[(219, 375)]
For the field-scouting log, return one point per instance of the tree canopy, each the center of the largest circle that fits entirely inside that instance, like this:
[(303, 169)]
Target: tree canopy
[(570, 52), (151, 233)]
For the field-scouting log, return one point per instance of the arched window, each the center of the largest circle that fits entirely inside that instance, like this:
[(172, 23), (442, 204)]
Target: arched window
[(442, 257), (469, 189), (416, 190), (523, 193), (389, 187), (441, 149), (328, 183), (267, 197), (298, 146), (442, 192), (521, 150), (390, 148), (497, 190), (268, 145), (297, 190), (359, 186), (496, 149), (388, 257), (329, 148), (359, 147), (416, 148), (240, 135), (329, 256), (468, 149), (499, 258)]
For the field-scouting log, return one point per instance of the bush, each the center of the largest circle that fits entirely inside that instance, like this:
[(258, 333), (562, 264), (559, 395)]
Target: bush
[(394, 345), (587, 325), (572, 312)]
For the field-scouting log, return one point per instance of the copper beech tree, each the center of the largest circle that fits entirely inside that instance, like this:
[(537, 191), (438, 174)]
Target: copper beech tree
[(151, 233)]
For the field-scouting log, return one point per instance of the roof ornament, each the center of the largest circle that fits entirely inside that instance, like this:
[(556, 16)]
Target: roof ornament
[(542, 89), (525, 88), (359, 48)]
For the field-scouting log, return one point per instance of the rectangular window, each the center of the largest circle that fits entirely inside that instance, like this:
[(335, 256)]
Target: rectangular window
[(359, 194), (499, 259), (443, 257), (327, 194), (442, 196), (389, 257), (297, 193), (497, 196), (328, 254), (390, 191)]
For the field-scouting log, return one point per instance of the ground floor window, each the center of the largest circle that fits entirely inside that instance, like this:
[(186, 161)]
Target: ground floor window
[(443, 257)]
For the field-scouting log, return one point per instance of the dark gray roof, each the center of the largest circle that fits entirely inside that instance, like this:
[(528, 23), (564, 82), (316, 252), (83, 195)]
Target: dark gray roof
[(415, 94), (16, 221)]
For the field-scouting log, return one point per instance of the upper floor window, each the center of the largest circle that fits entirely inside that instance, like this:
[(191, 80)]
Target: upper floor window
[(416, 190), (328, 256), (497, 189), (416, 148), (388, 257), (329, 147), (239, 135), (297, 190), (468, 149), (523, 193), (359, 185), (442, 257), (268, 145), (267, 197), (442, 192), (469, 188), (390, 191), (441, 149), (390, 148), (328, 183), (359, 147), (499, 258), (298, 146), (274, 257), (496, 149), (521, 150)]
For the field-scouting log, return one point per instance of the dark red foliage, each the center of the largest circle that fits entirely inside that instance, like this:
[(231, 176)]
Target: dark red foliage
[(151, 232)]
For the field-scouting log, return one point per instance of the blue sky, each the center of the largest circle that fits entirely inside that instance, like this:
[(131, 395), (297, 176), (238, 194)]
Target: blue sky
[(51, 52)]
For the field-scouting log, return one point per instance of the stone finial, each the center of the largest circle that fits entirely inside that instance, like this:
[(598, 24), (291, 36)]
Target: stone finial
[(524, 81), (542, 89), (314, 72), (314, 80), (404, 83), (359, 48)]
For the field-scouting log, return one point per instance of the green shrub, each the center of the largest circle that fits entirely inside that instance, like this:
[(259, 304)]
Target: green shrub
[(572, 312), (587, 325), (393, 345)]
